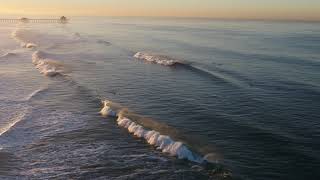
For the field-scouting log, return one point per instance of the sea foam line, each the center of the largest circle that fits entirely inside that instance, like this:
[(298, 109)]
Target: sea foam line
[(162, 142)]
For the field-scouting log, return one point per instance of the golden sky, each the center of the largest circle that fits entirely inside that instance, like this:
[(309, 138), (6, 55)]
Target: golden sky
[(230, 9)]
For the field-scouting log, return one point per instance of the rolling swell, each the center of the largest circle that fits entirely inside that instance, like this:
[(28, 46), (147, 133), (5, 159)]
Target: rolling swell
[(225, 76), (171, 62)]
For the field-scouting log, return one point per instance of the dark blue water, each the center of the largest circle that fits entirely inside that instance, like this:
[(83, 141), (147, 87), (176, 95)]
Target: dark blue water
[(247, 93)]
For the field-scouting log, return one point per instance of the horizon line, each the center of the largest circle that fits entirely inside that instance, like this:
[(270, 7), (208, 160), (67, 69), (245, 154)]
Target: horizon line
[(181, 17)]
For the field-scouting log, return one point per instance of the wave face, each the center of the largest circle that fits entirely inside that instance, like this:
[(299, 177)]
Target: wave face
[(8, 54), (162, 142), (157, 59), (47, 66)]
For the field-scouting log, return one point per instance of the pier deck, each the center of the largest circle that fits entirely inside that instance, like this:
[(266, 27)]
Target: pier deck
[(27, 20)]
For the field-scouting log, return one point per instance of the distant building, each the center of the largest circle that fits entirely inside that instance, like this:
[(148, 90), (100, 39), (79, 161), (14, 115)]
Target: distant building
[(24, 20), (63, 19)]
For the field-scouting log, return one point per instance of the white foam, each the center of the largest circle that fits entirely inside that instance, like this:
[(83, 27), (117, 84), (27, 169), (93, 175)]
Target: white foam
[(158, 59), (46, 66), (162, 142), (29, 45), (106, 110)]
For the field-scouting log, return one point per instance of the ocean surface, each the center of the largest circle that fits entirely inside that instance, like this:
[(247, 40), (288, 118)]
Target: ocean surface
[(160, 98)]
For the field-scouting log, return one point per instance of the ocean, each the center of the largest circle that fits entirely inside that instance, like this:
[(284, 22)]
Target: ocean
[(160, 98)]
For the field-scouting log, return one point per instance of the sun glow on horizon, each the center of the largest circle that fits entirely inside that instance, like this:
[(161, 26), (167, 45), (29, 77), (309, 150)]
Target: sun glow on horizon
[(241, 9)]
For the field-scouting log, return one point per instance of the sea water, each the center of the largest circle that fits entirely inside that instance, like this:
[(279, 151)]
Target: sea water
[(160, 98)]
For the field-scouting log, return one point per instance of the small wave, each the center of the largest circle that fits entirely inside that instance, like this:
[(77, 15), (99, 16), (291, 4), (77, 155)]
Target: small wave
[(164, 143), (22, 37), (47, 66), (13, 122), (157, 59), (8, 54), (35, 93), (106, 43)]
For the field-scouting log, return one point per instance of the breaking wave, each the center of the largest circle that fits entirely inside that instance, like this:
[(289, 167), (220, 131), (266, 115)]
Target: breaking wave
[(163, 142), (48, 66), (157, 59)]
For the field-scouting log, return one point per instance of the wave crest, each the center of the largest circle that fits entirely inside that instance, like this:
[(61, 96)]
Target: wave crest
[(157, 59), (106, 110), (46, 66), (28, 45)]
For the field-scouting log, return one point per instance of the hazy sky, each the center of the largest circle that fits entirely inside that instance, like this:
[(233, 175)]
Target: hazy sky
[(235, 9)]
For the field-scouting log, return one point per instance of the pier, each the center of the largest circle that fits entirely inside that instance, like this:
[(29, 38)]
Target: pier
[(62, 20)]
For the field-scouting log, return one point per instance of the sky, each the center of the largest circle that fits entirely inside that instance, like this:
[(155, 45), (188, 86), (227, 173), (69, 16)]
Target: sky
[(225, 9)]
